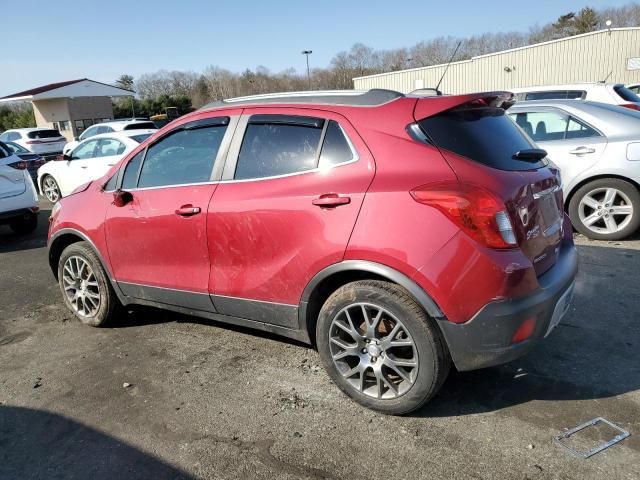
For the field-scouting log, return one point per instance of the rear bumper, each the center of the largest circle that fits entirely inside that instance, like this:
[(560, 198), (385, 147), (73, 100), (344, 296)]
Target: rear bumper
[(485, 340), (7, 217)]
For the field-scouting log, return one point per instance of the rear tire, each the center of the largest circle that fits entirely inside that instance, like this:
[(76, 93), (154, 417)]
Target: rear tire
[(50, 189), (606, 209), (25, 224), (85, 287), (380, 347)]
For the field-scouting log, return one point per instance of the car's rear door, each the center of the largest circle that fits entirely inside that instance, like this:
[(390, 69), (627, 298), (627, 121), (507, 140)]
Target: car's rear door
[(572, 144), (292, 188), (157, 242)]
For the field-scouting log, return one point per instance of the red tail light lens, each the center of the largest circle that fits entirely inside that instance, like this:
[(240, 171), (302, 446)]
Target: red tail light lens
[(480, 213), (21, 165), (632, 106)]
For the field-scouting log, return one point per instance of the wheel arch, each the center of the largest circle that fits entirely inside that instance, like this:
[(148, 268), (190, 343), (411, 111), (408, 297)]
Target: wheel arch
[(328, 280), (601, 176)]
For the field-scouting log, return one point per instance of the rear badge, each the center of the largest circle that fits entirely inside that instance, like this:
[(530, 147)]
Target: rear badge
[(533, 233)]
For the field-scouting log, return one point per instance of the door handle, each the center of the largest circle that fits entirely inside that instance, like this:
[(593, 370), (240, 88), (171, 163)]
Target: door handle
[(187, 211), (331, 200), (582, 151), (83, 166)]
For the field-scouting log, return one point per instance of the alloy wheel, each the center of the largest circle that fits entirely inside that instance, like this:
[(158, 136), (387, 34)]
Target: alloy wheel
[(605, 210), (50, 189), (373, 350), (81, 286)]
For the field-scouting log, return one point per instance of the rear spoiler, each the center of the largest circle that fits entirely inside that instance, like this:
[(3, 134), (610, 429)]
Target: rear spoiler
[(430, 106)]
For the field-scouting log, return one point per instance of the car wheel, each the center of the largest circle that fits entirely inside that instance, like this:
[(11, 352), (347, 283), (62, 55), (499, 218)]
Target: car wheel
[(85, 287), (379, 346), (50, 189), (606, 209), (25, 224)]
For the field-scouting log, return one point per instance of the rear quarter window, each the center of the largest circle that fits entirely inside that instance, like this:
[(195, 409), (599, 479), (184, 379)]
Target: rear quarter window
[(485, 135)]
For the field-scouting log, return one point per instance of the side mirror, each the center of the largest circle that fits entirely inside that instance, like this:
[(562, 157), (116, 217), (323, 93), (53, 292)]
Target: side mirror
[(60, 158), (122, 197)]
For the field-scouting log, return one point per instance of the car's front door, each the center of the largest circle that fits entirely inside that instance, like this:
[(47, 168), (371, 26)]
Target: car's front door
[(74, 171), (157, 242), (292, 188), (572, 144)]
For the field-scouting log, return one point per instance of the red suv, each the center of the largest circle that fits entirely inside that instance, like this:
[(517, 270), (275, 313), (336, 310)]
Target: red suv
[(395, 233)]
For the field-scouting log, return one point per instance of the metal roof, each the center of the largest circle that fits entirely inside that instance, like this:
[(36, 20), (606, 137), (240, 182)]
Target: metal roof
[(359, 98)]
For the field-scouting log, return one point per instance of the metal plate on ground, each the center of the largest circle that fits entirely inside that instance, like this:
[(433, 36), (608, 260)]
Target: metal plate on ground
[(561, 308), (564, 437)]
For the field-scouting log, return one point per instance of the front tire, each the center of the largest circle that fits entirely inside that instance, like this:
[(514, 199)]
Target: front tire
[(380, 348), (606, 209), (86, 290), (25, 224), (50, 189)]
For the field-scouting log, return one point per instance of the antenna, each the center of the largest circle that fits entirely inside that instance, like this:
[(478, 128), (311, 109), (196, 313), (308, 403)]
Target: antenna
[(447, 67), (607, 77)]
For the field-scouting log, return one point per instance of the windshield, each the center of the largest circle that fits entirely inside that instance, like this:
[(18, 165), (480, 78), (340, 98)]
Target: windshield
[(15, 148), (140, 138)]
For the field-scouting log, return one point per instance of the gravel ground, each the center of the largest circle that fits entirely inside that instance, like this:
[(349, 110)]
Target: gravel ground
[(167, 396)]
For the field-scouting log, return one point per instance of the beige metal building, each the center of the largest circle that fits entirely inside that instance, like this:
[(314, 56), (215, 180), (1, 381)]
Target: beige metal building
[(72, 106), (590, 57)]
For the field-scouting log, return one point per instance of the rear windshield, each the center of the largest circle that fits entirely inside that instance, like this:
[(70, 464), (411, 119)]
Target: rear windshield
[(140, 126), (485, 135), (140, 138), (626, 94), (44, 134), (556, 94)]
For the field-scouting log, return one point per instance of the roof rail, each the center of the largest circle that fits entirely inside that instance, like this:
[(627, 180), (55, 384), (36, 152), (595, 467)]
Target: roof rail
[(359, 98)]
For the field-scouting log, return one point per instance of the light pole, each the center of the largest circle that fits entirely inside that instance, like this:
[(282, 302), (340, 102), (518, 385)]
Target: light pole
[(307, 53)]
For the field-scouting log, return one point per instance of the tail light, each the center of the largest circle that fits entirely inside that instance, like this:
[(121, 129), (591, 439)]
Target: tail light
[(480, 213), (21, 165), (632, 106)]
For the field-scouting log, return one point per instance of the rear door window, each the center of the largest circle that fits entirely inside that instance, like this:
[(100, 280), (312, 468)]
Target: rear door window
[(108, 147), (551, 125), (542, 126), (182, 157), (275, 145), (483, 134)]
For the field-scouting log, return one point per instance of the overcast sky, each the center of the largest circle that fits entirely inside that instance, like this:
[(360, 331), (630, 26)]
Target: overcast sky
[(45, 41)]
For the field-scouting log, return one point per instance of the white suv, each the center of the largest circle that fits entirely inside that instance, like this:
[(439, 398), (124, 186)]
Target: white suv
[(18, 196), (43, 141), (109, 127), (612, 93)]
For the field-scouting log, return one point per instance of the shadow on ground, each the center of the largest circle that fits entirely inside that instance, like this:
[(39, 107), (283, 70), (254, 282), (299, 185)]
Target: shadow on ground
[(38, 444), (13, 242)]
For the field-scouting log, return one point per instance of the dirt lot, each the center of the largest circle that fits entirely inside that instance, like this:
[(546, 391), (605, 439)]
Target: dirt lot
[(210, 401)]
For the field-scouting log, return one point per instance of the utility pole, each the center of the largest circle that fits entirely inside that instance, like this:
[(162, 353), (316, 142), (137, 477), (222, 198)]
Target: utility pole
[(307, 53)]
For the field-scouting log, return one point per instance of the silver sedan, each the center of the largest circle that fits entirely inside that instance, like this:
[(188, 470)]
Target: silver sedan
[(597, 147)]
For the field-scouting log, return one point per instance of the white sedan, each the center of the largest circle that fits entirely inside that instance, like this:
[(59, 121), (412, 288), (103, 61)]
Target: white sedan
[(89, 160)]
